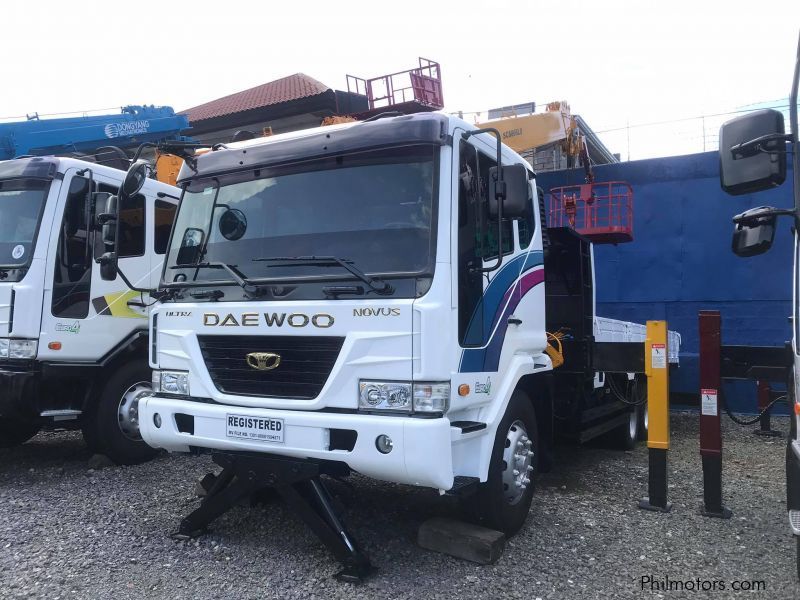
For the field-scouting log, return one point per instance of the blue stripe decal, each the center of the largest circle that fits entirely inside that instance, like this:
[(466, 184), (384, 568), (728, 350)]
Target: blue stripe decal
[(491, 308)]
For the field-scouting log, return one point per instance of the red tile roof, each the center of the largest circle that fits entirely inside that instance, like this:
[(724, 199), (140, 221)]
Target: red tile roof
[(281, 90)]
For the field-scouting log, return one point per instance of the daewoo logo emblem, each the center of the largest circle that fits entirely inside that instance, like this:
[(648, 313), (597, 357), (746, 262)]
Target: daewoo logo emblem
[(263, 361)]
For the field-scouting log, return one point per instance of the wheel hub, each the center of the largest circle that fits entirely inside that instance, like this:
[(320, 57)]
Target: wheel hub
[(128, 412), (517, 463)]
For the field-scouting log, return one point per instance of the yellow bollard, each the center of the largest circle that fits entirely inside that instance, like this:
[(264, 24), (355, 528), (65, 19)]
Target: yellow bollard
[(656, 368)]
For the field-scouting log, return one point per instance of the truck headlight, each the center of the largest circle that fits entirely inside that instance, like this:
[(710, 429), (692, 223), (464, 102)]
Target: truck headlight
[(22, 348), (171, 382), (18, 348), (384, 395), (403, 396)]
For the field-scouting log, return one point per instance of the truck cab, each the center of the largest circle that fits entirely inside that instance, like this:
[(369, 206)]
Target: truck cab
[(347, 294), (69, 339)]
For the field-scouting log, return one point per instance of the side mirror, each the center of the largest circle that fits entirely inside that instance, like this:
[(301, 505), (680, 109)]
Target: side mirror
[(108, 266), (101, 200), (513, 188), (136, 177), (754, 231), (191, 245), (108, 222), (752, 152)]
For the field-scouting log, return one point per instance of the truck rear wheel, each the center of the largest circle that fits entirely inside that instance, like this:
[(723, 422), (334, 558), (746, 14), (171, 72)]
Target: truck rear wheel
[(112, 427), (504, 500), (643, 421), (14, 433), (626, 435)]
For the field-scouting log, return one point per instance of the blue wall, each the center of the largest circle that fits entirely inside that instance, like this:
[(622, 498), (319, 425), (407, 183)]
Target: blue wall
[(681, 262)]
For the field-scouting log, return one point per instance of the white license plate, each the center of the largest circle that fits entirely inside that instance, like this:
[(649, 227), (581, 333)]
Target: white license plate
[(259, 429)]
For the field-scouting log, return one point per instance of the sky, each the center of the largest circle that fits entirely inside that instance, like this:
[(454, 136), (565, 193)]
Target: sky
[(620, 64)]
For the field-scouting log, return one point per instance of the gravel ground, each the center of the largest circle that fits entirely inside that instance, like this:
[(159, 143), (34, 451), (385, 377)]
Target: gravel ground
[(68, 531)]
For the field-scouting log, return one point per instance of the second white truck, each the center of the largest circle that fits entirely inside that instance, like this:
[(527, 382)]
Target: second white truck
[(74, 337)]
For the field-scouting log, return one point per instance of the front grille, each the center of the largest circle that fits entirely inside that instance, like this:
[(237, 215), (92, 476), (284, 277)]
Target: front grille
[(306, 362)]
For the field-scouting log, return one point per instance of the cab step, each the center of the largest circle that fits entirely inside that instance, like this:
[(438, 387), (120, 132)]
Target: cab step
[(468, 426), (66, 414)]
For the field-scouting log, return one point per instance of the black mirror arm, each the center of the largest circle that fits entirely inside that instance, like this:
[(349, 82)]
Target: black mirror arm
[(753, 218), (757, 145), (88, 209), (500, 195), (133, 287)]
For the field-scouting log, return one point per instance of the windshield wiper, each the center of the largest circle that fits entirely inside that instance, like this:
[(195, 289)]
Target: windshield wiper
[(376, 285), (250, 290)]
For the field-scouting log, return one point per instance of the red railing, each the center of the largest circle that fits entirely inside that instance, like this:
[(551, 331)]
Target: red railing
[(602, 212), (421, 85)]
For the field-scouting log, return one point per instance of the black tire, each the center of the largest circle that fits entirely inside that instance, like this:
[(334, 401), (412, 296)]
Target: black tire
[(491, 505), (797, 555), (626, 435), (103, 429), (14, 433)]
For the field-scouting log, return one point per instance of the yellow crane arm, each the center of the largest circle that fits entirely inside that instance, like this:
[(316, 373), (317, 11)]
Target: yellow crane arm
[(533, 131)]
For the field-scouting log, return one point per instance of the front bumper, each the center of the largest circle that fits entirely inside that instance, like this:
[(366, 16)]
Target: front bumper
[(421, 453)]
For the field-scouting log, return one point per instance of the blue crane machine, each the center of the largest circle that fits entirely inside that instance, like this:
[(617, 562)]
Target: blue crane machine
[(92, 135)]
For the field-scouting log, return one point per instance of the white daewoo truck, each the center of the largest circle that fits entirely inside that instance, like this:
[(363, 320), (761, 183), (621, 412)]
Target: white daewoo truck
[(73, 346), (377, 297)]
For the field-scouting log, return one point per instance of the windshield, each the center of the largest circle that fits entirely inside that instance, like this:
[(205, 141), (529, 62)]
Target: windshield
[(21, 204), (375, 210)]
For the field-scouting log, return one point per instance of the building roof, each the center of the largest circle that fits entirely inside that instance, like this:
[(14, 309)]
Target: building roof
[(598, 152), (281, 90)]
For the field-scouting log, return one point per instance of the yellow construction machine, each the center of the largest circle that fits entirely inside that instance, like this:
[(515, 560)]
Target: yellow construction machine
[(556, 125)]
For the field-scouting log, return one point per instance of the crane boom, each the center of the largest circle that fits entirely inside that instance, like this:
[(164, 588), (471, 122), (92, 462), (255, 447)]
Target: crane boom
[(85, 134)]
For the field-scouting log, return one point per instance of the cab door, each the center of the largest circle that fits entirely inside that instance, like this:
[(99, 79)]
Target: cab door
[(487, 301), (89, 317)]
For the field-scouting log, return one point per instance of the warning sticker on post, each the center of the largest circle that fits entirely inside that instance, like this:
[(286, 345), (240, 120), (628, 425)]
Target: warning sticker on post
[(658, 356), (708, 403)]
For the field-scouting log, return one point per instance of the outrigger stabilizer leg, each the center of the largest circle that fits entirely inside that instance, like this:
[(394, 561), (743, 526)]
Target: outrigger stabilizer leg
[(299, 484)]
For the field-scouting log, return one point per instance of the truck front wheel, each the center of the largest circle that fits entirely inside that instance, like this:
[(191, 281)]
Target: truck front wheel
[(112, 426), (14, 433), (504, 500)]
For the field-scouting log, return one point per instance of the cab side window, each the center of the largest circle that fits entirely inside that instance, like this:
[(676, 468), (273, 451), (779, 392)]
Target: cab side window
[(164, 217), (131, 226), (73, 268), (526, 226), (470, 281)]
